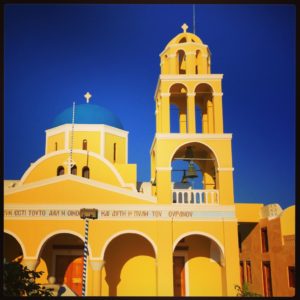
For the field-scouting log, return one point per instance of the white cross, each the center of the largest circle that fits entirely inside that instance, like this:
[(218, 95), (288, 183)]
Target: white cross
[(184, 27), (87, 96)]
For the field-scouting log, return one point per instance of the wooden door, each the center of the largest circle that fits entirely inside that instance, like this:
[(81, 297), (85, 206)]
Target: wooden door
[(267, 279), (69, 271), (179, 276)]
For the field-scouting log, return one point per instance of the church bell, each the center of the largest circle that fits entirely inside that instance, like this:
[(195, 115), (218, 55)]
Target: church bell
[(191, 172), (184, 179)]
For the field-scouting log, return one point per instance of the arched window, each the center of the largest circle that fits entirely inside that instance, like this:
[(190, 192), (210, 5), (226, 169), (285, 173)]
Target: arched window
[(60, 171), (74, 170), (84, 144), (86, 172), (181, 59), (115, 152), (183, 40)]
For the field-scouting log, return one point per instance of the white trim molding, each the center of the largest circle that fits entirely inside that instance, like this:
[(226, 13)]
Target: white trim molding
[(172, 77), (163, 168), (225, 169), (120, 190), (111, 238), (183, 136), (217, 94)]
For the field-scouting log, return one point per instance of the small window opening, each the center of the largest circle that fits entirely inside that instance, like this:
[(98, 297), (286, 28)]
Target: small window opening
[(55, 146), (248, 272), (291, 271), (264, 239), (60, 171), (115, 152), (84, 145), (86, 172), (74, 170)]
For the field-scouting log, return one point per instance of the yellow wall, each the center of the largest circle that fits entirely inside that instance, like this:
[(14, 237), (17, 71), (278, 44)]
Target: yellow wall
[(110, 139), (92, 137), (57, 138), (287, 221)]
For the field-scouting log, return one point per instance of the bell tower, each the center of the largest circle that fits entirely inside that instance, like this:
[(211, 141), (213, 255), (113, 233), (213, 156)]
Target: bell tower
[(195, 134)]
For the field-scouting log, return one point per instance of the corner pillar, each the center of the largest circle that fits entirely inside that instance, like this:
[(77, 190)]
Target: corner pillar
[(163, 185), (218, 112), (165, 112)]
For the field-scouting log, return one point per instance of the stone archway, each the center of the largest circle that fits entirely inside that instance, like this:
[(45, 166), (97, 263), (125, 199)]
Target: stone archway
[(12, 250), (130, 266), (198, 267), (61, 257)]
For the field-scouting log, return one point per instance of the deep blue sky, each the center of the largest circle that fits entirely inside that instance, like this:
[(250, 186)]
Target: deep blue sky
[(53, 54)]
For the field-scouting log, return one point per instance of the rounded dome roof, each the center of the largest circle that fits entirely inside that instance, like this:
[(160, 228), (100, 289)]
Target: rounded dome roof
[(185, 37), (88, 114)]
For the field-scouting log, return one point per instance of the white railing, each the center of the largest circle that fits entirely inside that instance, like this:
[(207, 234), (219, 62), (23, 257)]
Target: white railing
[(201, 197)]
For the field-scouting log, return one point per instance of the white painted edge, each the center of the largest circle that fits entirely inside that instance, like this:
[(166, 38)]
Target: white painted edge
[(93, 154), (190, 77), (112, 237), (90, 182)]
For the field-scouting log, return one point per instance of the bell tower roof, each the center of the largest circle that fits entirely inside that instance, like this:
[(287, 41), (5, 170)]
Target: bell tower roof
[(185, 37)]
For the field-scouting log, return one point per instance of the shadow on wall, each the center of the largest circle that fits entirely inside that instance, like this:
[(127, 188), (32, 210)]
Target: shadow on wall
[(119, 251)]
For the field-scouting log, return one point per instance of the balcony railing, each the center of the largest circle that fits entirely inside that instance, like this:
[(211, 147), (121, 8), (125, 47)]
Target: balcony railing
[(190, 196)]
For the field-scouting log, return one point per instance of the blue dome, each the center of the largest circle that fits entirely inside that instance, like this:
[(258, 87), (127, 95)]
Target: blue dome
[(88, 114)]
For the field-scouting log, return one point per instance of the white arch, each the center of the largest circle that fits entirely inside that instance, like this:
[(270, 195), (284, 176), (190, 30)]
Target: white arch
[(97, 156), (199, 233), (125, 232), (53, 233), (217, 159), (18, 240)]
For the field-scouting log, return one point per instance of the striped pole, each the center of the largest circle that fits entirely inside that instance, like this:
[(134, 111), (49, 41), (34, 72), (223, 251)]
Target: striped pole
[(85, 254)]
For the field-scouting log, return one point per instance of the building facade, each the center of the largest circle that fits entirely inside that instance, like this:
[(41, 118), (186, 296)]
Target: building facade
[(166, 237)]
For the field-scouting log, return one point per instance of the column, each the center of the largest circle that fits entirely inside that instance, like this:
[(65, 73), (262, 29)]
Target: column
[(164, 259), (190, 62), (30, 262), (165, 112), (210, 116), (191, 112), (97, 265), (218, 112), (182, 118), (173, 68)]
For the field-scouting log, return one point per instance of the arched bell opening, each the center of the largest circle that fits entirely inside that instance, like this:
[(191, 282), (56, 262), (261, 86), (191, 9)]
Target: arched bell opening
[(204, 102), (61, 257), (194, 179), (198, 266), (12, 250), (130, 261), (181, 62), (178, 108)]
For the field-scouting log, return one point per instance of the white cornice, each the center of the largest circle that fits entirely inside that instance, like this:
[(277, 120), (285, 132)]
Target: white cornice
[(182, 136), (225, 169), (86, 127), (89, 182), (185, 77)]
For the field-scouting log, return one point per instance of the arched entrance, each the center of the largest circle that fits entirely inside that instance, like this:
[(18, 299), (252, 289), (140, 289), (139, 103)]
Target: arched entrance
[(198, 267), (12, 250), (61, 257), (130, 268)]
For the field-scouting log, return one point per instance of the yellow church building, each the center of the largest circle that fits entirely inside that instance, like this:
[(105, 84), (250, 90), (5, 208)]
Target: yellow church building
[(157, 238)]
